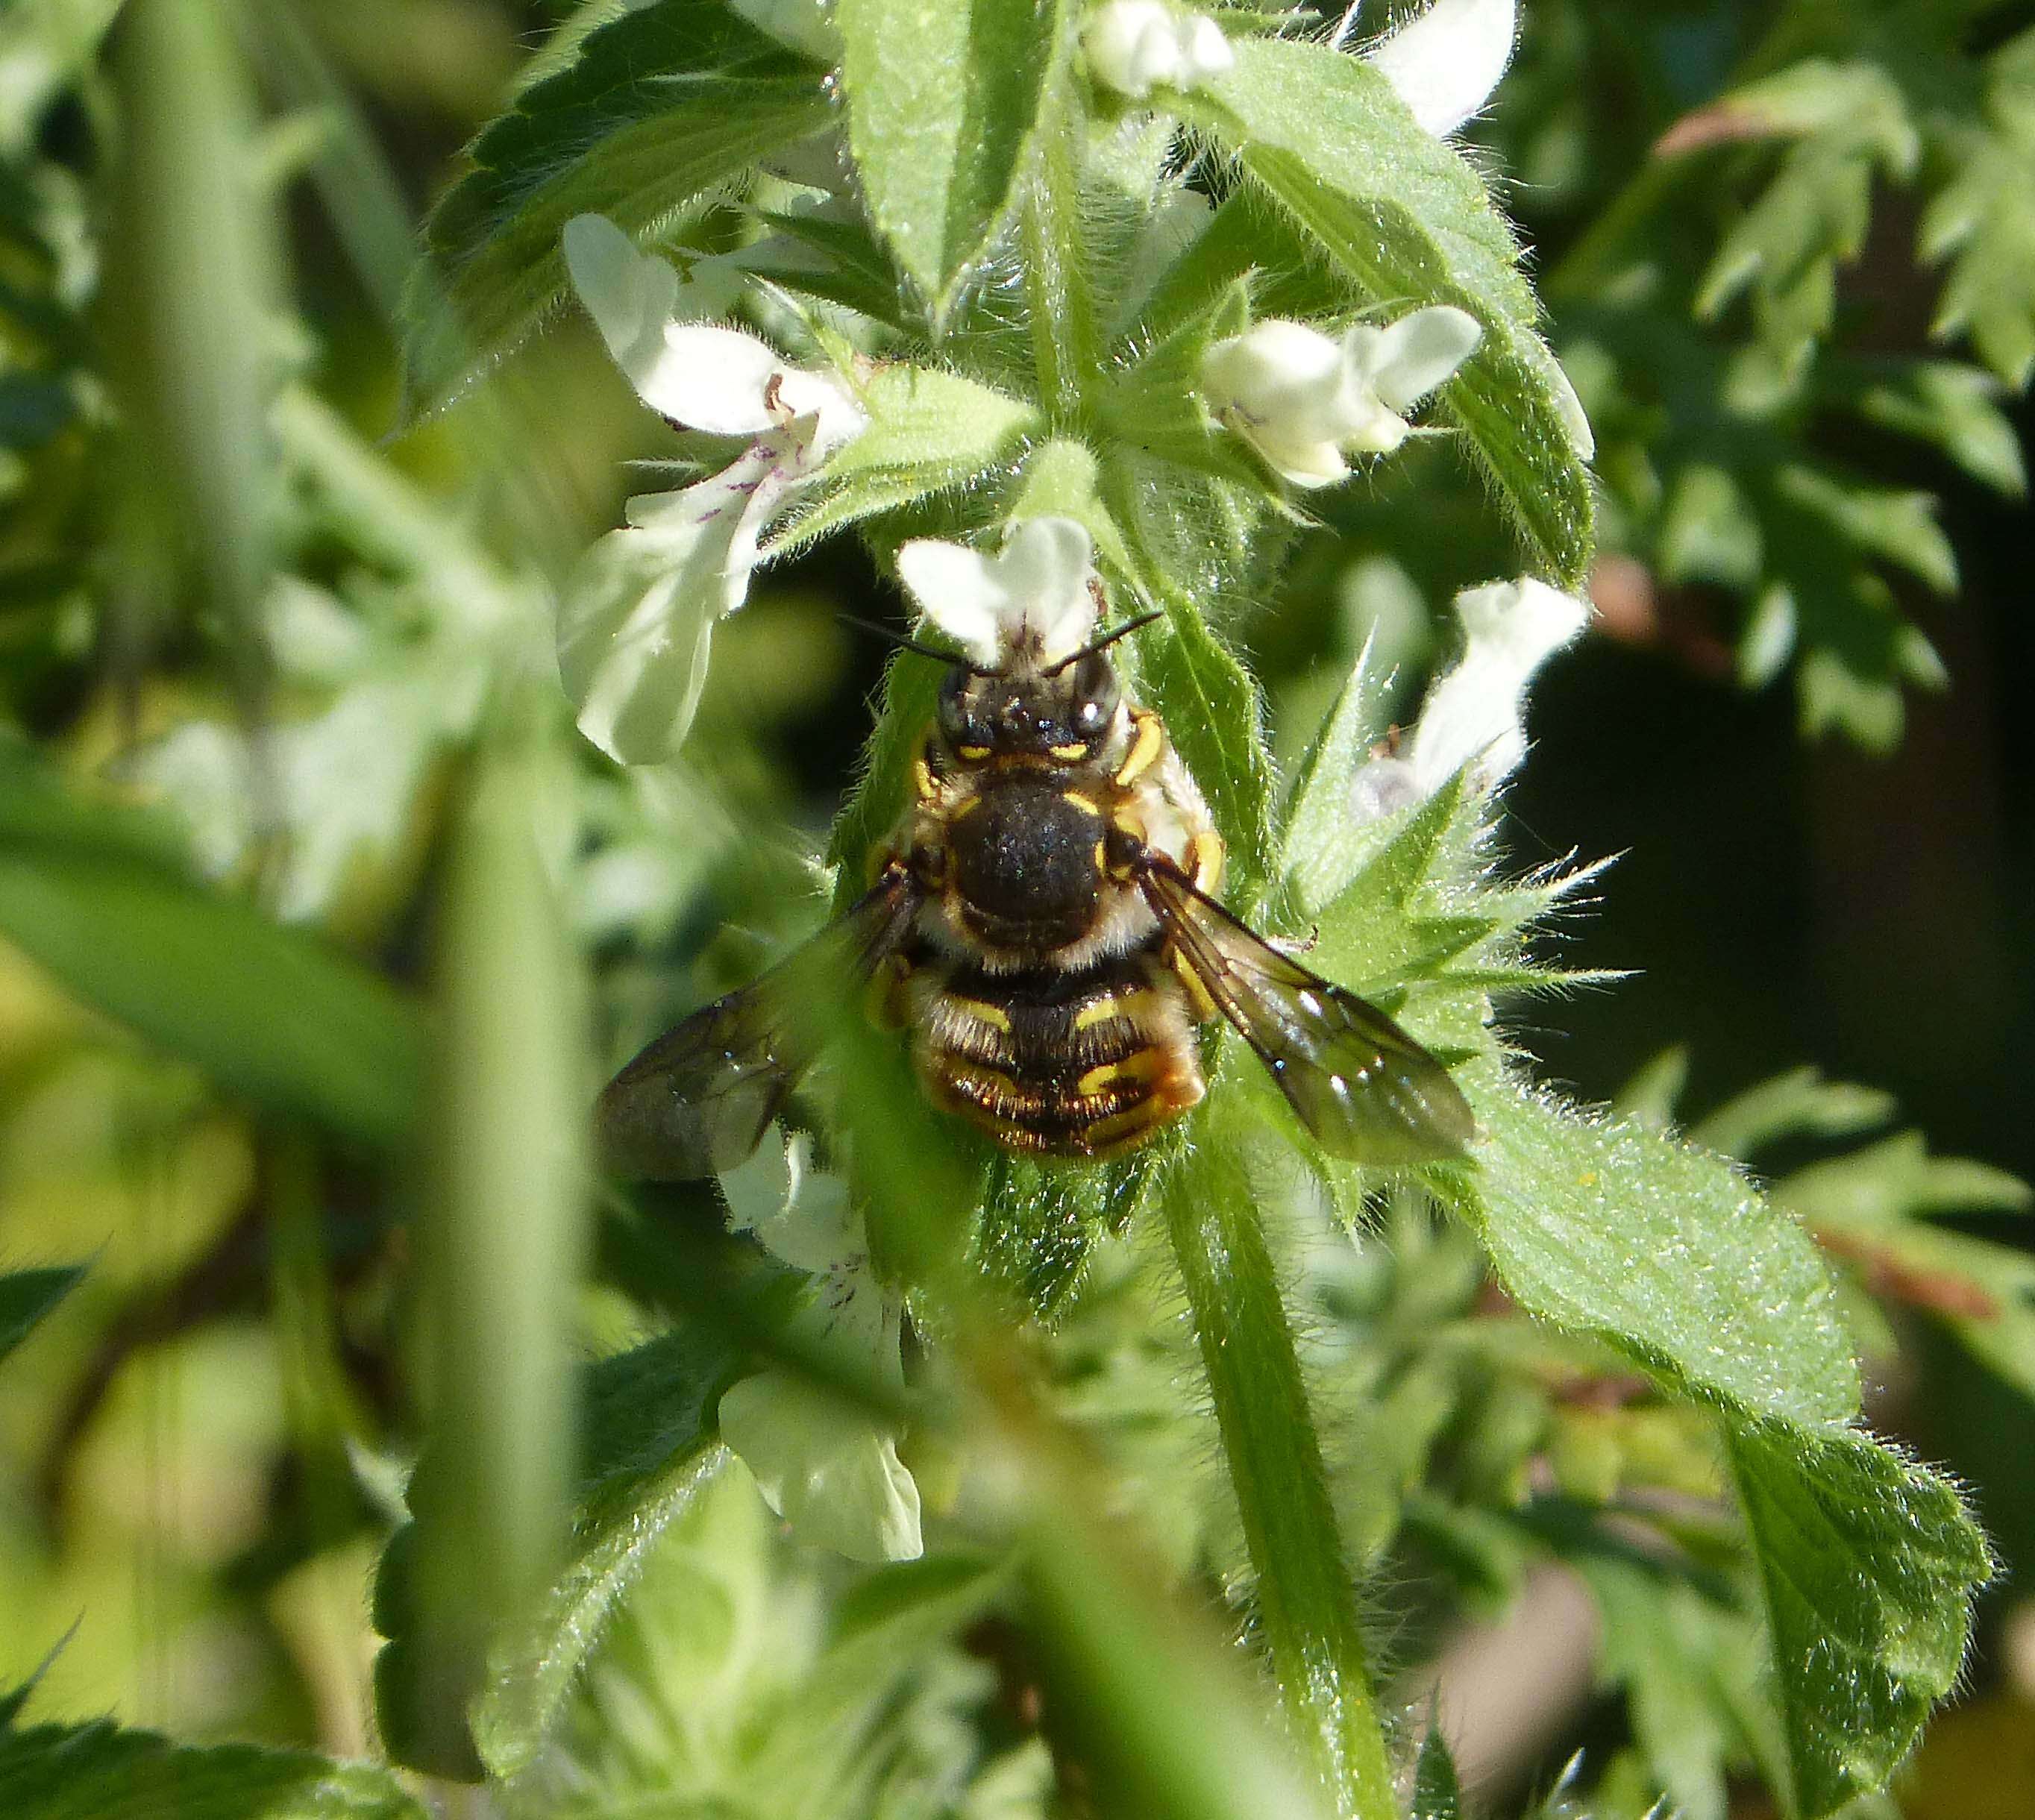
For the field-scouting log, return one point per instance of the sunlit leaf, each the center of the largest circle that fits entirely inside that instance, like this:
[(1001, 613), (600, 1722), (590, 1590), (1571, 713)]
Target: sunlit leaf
[(659, 108), (1407, 223), (1868, 1561), (943, 101)]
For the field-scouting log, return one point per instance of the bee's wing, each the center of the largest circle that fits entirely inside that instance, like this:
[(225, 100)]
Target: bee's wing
[(698, 1100), (1364, 1088)]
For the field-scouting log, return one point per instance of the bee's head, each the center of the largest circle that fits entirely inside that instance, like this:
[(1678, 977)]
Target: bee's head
[(1060, 713)]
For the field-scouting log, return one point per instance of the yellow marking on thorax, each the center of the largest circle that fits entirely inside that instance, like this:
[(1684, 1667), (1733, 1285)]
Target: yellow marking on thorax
[(1146, 748), (972, 752), (1086, 804), (1071, 754)]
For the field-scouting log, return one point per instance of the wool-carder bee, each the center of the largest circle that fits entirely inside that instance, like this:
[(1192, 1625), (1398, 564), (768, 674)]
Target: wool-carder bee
[(1042, 921)]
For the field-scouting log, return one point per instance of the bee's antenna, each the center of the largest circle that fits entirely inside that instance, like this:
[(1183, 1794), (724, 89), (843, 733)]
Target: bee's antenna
[(1108, 639), (908, 644)]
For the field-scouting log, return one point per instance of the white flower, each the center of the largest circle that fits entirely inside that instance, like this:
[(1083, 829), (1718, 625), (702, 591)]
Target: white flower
[(1136, 46), (1038, 589), (1472, 717), (639, 611), (1445, 63), (1301, 399), (828, 1469)]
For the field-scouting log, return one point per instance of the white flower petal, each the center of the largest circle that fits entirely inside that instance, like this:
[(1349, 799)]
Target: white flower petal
[(957, 591), (1045, 570), (828, 1470), (639, 610), (803, 25), (717, 380), (1445, 63), (1036, 587), (1473, 715), (1208, 51), (630, 295), (1301, 399), (1130, 45), (1409, 358), (1135, 46)]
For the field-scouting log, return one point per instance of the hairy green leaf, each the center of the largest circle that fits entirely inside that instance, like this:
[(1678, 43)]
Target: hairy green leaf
[(1407, 222), (1437, 1791), (1868, 1561), (1664, 1253), (99, 1772), (661, 108), (943, 103), (929, 432), (1214, 715), (648, 1445), (26, 1295)]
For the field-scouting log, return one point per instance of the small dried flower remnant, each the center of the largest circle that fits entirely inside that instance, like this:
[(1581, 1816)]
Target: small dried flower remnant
[(1304, 401), (1136, 46), (636, 623)]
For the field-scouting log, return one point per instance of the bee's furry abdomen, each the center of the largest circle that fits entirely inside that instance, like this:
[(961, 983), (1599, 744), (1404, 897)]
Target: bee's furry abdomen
[(1060, 1064)]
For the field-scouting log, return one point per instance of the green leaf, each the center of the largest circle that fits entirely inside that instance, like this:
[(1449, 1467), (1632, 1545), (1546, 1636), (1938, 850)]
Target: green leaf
[(1214, 716), (660, 108), (269, 1013), (26, 1295), (1868, 1563), (944, 103), (99, 1772), (1956, 409), (929, 432), (1982, 221), (1318, 850), (1800, 1103), (1407, 222), (1688, 1665), (648, 1446), (1850, 125), (1664, 1253), (1437, 1791), (1061, 479)]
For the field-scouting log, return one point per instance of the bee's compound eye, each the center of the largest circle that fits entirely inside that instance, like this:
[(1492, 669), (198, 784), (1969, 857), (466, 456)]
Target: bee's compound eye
[(953, 710), (1095, 694)]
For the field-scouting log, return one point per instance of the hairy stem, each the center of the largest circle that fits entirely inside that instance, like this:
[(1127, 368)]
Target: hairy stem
[(1306, 1605)]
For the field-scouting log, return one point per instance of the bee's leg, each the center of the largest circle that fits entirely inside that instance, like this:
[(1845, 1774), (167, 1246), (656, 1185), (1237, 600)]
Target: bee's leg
[(1204, 1008), (888, 999), (1148, 740)]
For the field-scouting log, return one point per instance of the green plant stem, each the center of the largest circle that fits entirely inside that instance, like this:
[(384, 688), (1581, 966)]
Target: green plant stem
[(1306, 1605), (1065, 347)]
